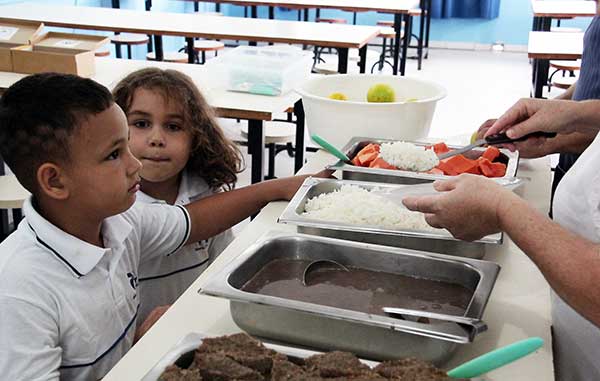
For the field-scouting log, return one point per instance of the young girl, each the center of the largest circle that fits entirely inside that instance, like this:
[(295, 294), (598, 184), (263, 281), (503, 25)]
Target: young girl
[(185, 157)]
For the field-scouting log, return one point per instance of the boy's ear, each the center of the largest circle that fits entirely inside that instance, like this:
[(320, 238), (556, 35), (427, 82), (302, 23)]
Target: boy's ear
[(51, 180)]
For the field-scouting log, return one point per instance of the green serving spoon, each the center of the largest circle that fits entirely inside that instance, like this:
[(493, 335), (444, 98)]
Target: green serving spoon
[(329, 148), (496, 358)]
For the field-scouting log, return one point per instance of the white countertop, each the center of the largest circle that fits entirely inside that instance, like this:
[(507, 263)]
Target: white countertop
[(519, 306)]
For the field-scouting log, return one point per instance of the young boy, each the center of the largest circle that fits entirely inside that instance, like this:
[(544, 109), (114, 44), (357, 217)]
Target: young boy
[(68, 275)]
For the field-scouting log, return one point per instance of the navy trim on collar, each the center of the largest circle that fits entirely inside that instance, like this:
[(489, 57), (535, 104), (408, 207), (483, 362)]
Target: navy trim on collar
[(175, 271), (109, 349), (73, 269)]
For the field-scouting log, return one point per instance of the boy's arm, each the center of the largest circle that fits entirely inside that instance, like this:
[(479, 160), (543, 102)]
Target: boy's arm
[(215, 214), (28, 344)]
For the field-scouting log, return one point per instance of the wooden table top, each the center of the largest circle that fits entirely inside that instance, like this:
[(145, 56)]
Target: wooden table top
[(560, 8), (385, 6), (555, 45), (227, 104), (192, 25)]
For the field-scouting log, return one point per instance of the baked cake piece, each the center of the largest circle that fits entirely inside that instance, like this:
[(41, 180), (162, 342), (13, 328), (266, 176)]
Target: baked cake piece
[(411, 369), (336, 364), (174, 373), (219, 367)]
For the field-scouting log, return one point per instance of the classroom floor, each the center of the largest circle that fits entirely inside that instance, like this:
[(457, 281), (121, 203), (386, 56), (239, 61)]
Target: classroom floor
[(480, 85)]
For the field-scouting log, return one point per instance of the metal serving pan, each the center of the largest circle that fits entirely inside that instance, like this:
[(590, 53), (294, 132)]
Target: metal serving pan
[(368, 336), (352, 172), (439, 241)]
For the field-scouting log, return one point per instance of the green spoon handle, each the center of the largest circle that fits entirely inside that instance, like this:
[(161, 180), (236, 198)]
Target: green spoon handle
[(329, 148), (496, 358)]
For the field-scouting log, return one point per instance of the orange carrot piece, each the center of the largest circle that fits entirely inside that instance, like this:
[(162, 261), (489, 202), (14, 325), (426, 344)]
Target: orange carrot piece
[(491, 153), (380, 163)]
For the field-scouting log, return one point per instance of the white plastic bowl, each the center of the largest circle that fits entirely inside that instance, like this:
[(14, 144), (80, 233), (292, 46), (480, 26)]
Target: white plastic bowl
[(339, 121)]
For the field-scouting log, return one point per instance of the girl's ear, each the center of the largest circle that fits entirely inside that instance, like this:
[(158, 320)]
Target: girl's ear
[(51, 180)]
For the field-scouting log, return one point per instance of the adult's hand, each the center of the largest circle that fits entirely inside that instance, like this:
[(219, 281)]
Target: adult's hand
[(532, 115), (466, 213), (530, 148)]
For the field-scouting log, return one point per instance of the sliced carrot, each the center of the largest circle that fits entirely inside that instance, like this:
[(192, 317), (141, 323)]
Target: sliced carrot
[(491, 153), (440, 148), (460, 164), (490, 169), (367, 158), (446, 168), (355, 161), (380, 163)]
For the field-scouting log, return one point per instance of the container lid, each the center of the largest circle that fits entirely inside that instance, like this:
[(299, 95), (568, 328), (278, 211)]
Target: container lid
[(70, 41), (18, 32)]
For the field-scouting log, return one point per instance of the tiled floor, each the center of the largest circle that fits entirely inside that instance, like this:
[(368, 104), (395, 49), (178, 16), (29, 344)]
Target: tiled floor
[(480, 85)]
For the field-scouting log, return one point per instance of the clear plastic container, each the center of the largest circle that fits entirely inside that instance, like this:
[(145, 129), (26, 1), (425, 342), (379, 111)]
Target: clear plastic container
[(269, 70)]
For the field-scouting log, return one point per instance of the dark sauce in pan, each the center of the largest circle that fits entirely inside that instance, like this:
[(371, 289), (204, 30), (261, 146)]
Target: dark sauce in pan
[(359, 289)]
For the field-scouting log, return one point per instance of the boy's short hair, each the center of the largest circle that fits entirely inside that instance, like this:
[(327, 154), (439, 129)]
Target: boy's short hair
[(38, 116)]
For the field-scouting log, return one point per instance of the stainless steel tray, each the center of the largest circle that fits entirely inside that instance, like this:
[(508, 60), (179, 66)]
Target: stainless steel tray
[(352, 172), (436, 241), (182, 354), (369, 336)]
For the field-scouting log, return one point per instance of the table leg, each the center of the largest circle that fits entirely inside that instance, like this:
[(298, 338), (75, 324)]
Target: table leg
[(196, 6), (300, 149), (148, 6), (398, 30), (427, 29), (218, 7), (540, 76), (158, 44), (342, 60), (256, 148), (190, 50), (546, 24), (271, 13), (536, 24), (306, 14), (421, 35), (116, 4), (362, 60), (407, 34), (353, 18), (254, 11)]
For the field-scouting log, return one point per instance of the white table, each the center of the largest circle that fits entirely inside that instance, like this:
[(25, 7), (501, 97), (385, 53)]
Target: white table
[(190, 26), (518, 308), (544, 11)]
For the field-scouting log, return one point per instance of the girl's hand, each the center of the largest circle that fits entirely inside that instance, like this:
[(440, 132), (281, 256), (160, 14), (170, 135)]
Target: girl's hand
[(466, 213), (290, 185), (152, 318)]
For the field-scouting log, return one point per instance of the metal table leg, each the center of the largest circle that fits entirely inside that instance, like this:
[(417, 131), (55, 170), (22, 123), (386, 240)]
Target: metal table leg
[(256, 148), (540, 76), (254, 11), (271, 13), (158, 44), (342, 60), (427, 28), (148, 6), (362, 60), (398, 30), (300, 149), (190, 50), (407, 34), (421, 35), (116, 4)]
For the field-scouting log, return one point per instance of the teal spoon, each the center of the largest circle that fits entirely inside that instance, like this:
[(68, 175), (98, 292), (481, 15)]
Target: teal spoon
[(329, 148), (496, 358)]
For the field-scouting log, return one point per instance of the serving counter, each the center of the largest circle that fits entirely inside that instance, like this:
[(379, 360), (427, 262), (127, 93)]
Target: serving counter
[(518, 308)]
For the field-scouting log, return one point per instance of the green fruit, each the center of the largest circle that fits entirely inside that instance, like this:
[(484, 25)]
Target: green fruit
[(474, 137), (338, 96), (381, 92)]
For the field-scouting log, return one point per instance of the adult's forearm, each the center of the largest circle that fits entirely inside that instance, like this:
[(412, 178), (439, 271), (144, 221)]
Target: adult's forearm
[(567, 94), (576, 142), (570, 263)]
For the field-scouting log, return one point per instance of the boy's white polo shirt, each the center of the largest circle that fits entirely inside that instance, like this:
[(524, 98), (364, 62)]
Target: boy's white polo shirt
[(68, 308), (164, 278)]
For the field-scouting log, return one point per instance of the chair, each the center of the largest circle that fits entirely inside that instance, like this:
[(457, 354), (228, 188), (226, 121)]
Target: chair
[(564, 82), (102, 52), (203, 46), (564, 66), (12, 196), (128, 39), (169, 57), (279, 136), (385, 34)]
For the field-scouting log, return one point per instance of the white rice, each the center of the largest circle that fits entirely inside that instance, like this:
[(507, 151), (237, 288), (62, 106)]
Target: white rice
[(408, 156), (355, 205)]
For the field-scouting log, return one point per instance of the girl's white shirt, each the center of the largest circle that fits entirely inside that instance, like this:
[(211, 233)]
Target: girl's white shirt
[(162, 280), (577, 208)]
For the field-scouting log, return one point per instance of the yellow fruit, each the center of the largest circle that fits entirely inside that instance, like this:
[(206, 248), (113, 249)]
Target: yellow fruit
[(338, 96), (381, 93), (474, 137)]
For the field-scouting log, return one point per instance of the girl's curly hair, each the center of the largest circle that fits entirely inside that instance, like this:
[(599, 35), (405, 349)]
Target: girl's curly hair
[(214, 157)]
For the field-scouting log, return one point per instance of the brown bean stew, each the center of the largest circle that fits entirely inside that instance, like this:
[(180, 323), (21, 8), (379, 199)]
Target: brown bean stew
[(359, 289)]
